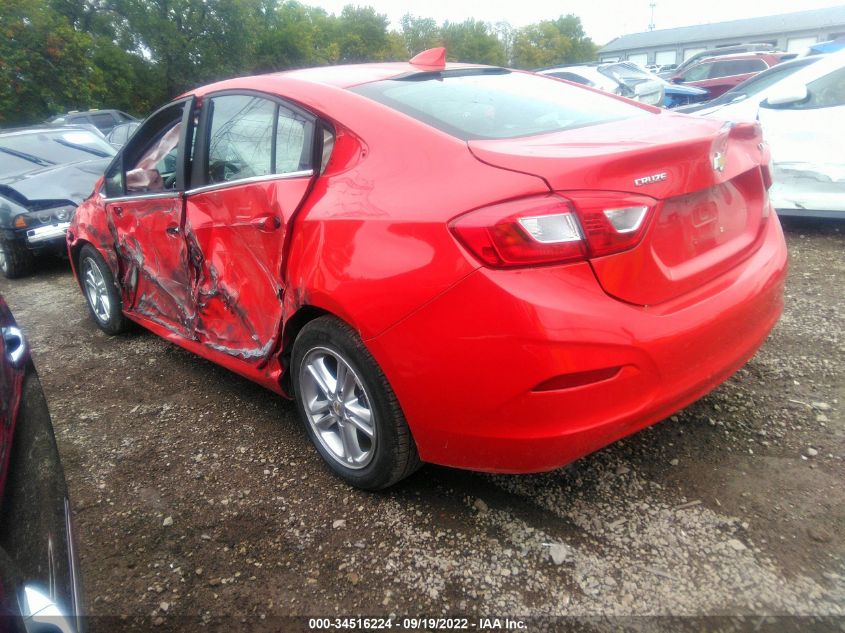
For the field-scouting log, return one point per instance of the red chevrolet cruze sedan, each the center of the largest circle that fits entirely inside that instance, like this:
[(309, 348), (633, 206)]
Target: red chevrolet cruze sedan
[(445, 263)]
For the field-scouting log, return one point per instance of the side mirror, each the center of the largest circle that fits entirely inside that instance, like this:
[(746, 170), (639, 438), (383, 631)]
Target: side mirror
[(677, 80), (786, 95)]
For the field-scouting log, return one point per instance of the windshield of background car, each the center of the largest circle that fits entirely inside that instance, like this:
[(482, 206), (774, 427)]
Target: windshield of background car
[(497, 104), (26, 152)]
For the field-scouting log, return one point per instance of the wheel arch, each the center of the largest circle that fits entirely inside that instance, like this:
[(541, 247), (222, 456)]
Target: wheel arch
[(290, 330)]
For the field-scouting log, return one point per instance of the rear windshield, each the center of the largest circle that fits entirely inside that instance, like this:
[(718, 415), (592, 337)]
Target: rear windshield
[(495, 104)]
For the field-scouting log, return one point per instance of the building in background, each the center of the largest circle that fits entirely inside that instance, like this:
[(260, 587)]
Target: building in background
[(792, 32)]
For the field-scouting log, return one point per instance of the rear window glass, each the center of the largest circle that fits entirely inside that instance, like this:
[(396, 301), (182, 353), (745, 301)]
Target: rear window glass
[(496, 104)]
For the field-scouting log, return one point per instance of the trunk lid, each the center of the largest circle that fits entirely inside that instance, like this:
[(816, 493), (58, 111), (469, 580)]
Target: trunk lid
[(705, 179)]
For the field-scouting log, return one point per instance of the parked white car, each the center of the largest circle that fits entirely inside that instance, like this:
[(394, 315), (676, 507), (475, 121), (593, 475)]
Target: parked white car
[(803, 121), (742, 102)]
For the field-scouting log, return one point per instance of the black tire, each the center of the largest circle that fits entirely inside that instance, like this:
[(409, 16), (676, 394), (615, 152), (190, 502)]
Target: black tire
[(16, 260), (108, 315), (392, 453)]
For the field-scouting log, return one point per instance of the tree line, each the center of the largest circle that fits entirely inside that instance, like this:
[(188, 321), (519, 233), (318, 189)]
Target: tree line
[(59, 55)]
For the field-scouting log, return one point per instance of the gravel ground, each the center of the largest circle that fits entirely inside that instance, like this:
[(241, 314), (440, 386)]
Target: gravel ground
[(196, 494)]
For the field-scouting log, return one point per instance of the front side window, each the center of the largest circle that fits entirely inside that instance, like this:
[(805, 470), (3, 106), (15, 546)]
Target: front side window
[(698, 73), (151, 159), (156, 170)]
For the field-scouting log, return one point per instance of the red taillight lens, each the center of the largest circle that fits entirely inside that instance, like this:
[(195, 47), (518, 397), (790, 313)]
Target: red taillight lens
[(552, 229), (612, 222), (766, 166), (524, 232)]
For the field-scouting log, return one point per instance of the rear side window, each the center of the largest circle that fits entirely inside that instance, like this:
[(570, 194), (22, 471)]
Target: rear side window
[(241, 142), (252, 136), (494, 104), (737, 67)]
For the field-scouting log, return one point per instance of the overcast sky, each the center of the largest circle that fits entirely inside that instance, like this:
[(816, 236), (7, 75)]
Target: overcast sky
[(603, 19)]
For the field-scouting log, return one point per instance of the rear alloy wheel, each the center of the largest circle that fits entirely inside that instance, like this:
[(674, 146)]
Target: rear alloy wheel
[(350, 412), (104, 302), (16, 260)]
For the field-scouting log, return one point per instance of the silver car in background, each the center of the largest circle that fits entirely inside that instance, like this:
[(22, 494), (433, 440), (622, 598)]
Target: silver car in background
[(619, 78)]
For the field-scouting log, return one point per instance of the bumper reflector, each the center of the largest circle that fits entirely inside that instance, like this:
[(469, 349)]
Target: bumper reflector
[(577, 379)]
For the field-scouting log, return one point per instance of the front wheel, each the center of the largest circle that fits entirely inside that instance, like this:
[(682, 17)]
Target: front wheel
[(349, 409), (16, 260), (100, 291)]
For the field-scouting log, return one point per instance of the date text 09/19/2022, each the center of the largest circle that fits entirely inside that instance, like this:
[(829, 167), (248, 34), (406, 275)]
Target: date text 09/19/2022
[(417, 623)]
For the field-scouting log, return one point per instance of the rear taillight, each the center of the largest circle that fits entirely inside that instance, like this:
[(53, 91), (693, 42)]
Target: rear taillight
[(766, 166), (524, 232), (612, 222), (552, 229)]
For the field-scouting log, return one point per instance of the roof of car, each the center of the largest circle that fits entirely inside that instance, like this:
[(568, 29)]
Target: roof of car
[(747, 55)]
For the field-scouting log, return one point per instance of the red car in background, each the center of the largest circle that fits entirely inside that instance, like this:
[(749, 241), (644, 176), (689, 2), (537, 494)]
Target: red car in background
[(39, 580), (445, 263), (719, 74)]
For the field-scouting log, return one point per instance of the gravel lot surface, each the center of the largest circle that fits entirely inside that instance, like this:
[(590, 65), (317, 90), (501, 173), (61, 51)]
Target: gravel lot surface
[(197, 494)]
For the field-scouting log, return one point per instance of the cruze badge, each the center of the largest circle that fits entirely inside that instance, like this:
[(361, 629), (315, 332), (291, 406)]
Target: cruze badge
[(647, 180)]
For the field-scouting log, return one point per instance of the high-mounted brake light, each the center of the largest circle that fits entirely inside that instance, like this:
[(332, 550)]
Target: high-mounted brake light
[(552, 229)]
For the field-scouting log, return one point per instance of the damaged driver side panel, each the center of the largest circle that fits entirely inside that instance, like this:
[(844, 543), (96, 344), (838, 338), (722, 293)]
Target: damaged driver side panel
[(153, 261), (236, 238)]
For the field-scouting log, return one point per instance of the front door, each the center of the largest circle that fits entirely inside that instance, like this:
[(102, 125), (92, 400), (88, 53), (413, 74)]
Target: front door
[(254, 166), (147, 223)]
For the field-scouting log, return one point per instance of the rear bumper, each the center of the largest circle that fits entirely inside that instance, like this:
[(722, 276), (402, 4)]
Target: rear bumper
[(469, 368)]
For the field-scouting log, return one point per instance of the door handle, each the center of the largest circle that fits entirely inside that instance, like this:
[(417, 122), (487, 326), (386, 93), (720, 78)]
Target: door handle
[(14, 344), (118, 211), (172, 230), (266, 222)]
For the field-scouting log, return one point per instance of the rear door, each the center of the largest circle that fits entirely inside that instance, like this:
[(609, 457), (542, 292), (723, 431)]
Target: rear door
[(254, 168), (144, 208)]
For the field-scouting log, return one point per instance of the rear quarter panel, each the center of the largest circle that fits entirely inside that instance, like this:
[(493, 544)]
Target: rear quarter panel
[(372, 243)]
